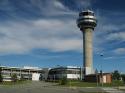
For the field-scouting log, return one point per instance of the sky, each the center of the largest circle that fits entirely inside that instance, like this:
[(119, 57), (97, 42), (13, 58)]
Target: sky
[(44, 33)]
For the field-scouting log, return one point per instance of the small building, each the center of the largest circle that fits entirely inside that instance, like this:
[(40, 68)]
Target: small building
[(100, 78)]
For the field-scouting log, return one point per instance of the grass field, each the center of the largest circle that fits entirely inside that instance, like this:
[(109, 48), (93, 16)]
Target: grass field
[(88, 84), (13, 83)]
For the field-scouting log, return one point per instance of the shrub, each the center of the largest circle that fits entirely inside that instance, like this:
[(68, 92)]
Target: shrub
[(64, 81), (1, 77), (22, 78), (14, 77), (116, 75), (123, 78)]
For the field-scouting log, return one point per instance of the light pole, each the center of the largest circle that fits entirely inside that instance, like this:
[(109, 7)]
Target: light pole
[(97, 77), (81, 72), (101, 72)]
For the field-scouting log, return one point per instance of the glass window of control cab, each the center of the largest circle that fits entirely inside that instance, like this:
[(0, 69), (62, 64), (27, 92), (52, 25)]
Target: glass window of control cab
[(84, 13)]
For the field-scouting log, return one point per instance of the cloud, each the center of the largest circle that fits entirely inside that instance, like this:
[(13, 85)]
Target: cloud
[(52, 8), (108, 37), (37, 8), (119, 51), (67, 45), (114, 57), (78, 5), (117, 36), (48, 24), (58, 4), (33, 9), (48, 30), (54, 35), (108, 58), (34, 27)]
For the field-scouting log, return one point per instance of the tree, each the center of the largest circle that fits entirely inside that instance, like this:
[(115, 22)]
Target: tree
[(64, 81), (41, 77), (22, 78), (1, 77), (14, 77), (116, 75), (123, 77)]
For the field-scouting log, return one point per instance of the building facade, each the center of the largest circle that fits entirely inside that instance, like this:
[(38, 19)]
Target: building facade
[(53, 74), (26, 73), (70, 72)]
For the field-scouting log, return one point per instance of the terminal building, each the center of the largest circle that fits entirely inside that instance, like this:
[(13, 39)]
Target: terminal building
[(76, 73), (27, 73), (52, 74), (70, 72), (36, 74)]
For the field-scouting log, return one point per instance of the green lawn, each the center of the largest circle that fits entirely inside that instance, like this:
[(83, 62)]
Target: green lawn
[(13, 83), (88, 84), (81, 84), (93, 92)]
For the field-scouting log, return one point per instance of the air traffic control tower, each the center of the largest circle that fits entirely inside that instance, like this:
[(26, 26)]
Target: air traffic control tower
[(87, 22)]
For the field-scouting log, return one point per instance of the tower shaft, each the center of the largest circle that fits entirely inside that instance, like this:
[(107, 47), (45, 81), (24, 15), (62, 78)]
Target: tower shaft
[(87, 51), (87, 22)]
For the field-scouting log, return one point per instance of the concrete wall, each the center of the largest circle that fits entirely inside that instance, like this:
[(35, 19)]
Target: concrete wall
[(73, 76), (35, 76), (88, 50)]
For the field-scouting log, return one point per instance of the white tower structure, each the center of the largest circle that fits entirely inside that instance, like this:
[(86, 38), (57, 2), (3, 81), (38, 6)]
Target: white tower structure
[(87, 22)]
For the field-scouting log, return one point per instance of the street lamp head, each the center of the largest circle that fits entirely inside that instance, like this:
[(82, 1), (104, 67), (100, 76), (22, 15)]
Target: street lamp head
[(86, 19)]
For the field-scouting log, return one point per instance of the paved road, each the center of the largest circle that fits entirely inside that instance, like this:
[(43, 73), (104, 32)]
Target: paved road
[(113, 90), (43, 87)]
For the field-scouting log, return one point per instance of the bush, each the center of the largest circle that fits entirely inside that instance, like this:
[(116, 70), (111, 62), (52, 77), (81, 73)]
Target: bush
[(123, 78), (14, 77), (1, 77), (64, 81), (116, 75), (22, 78)]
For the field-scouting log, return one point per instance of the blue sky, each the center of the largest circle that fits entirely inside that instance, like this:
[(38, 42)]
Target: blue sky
[(44, 33)]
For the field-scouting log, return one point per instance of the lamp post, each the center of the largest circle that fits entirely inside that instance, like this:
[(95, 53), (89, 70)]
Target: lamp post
[(101, 72), (81, 72), (97, 77)]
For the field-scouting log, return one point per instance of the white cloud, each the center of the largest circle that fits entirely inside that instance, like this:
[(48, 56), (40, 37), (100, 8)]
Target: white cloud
[(110, 27), (114, 57), (51, 34), (119, 51), (66, 45), (83, 4), (19, 37), (59, 5), (116, 36), (52, 8), (107, 58), (48, 24)]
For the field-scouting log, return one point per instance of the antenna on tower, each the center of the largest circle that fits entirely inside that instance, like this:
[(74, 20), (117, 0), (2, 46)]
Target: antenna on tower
[(87, 5)]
